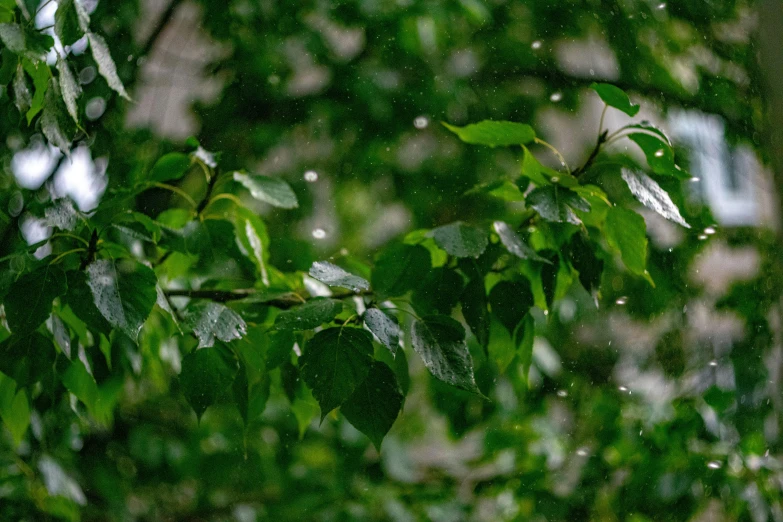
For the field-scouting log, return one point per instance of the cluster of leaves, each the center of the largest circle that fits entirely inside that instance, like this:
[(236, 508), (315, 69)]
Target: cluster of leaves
[(95, 293)]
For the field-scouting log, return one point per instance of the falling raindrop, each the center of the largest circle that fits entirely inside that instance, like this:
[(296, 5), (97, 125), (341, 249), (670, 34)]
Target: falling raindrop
[(621, 300), (95, 107), (421, 122), (16, 204), (582, 452), (662, 6), (702, 237), (622, 388), (536, 45), (562, 393), (713, 363), (659, 153), (709, 231), (714, 464), (319, 233), (311, 176), (555, 179), (556, 97), (694, 179)]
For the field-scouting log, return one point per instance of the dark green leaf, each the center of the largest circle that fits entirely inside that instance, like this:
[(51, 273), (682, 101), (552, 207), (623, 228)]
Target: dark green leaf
[(461, 240), (652, 196), (510, 301), (250, 395), (333, 275), (400, 268), (206, 373), (582, 256), (474, 309), (170, 166), (270, 190), (66, 22), (385, 328), (440, 342), (29, 299), (615, 97), (54, 120), (312, 314), (27, 358), (438, 292), (214, 320), (549, 279), (558, 204), (626, 233), (336, 361), (660, 156), (514, 243), (281, 346), (494, 133), (124, 292), (80, 300), (525, 336), (375, 404), (25, 41)]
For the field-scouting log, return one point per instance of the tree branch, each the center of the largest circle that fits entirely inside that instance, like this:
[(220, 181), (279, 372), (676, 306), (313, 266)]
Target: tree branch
[(283, 302)]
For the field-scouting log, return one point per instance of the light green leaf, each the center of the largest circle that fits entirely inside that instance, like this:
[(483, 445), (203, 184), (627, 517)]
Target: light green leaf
[(27, 358), (333, 275), (494, 133), (502, 349), (170, 166), (214, 320), (652, 196), (385, 328), (375, 404), (29, 299), (304, 407), (124, 292), (270, 190), (510, 301), (70, 89), (106, 67), (542, 175), (205, 375), (40, 74), (461, 240), (253, 240), (399, 268), (312, 314), (14, 408), (501, 189), (336, 361), (626, 233), (660, 156), (514, 243), (440, 342), (615, 97)]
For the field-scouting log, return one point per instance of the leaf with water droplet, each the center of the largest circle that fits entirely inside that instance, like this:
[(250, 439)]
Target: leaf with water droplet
[(494, 133), (70, 88), (106, 67), (205, 375), (400, 268), (333, 275), (660, 156), (29, 299), (67, 24), (439, 292), (652, 196), (309, 315), (335, 362), (124, 292), (385, 328), (558, 204), (375, 404), (270, 190), (615, 97), (542, 175), (62, 214), (514, 243), (461, 240), (440, 342), (22, 97), (211, 321), (52, 123), (626, 233)]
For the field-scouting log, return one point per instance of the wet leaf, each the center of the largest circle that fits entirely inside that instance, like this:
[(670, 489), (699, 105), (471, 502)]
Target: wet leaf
[(333, 275), (494, 133), (514, 243), (29, 299), (461, 240), (211, 321), (399, 269), (270, 190), (106, 67), (615, 97), (652, 196), (309, 315), (385, 328), (375, 404), (205, 375)]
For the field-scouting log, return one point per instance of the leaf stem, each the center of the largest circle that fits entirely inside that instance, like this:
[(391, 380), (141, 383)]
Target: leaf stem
[(72, 236), (56, 259), (601, 121), (554, 151), (176, 190)]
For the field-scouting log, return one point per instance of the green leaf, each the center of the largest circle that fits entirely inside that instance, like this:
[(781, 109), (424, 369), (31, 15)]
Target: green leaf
[(14, 408), (281, 346), (502, 349), (558, 204), (474, 309), (440, 342), (626, 233), (439, 292), (66, 22), (385, 328), (169, 167), (615, 97), (80, 300), (312, 314), (27, 358), (70, 88), (29, 299), (336, 361), (8, 66), (304, 407), (510, 301), (501, 189), (461, 240), (40, 74), (124, 292), (25, 41), (582, 256), (333, 275), (62, 215), (106, 67), (375, 404), (214, 320), (399, 269), (250, 395), (652, 196), (22, 97), (541, 175), (205, 375), (253, 239), (514, 243), (525, 336), (660, 156), (494, 133), (549, 274), (270, 190), (52, 119)]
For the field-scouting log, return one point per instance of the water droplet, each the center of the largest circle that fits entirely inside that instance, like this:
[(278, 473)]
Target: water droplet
[(319, 233), (273, 79), (311, 176), (713, 363), (582, 452), (556, 97), (421, 122), (702, 236), (16, 204), (555, 179), (622, 388), (709, 231), (695, 179), (536, 45), (640, 432), (662, 6), (659, 153), (621, 300), (95, 108), (562, 393), (714, 464), (766, 453)]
